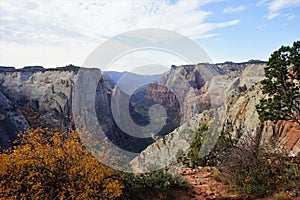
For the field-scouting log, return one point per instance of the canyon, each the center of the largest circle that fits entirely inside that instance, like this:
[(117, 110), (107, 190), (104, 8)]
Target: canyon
[(223, 96)]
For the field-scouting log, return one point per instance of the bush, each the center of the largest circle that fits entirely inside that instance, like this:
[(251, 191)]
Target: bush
[(154, 185), (194, 152), (205, 148), (261, 170), (218, 176), (50, 164), (257, 170)]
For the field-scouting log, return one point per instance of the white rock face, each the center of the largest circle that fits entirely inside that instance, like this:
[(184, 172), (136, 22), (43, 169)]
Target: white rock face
[(195, 85), (48, 92), (45, 90), (162, 152), (241, 112)]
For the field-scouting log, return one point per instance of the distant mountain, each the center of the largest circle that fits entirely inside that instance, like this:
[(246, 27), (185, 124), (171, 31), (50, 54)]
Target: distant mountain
[(128, 81)]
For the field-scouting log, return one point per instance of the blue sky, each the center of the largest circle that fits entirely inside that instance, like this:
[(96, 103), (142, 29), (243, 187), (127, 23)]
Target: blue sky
[(60, 32)]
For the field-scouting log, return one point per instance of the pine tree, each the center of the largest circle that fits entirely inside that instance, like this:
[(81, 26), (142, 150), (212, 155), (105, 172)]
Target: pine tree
[(282, 86)]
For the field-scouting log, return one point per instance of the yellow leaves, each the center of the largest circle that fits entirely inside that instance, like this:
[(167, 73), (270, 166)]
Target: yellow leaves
[(52, 164), (248, 179)]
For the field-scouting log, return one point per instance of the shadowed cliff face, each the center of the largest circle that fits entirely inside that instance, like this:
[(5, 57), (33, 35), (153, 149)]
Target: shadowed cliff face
[(11, 121), (159, 94)]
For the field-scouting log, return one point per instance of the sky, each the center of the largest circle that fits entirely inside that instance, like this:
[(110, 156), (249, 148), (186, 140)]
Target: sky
[(53, 33)]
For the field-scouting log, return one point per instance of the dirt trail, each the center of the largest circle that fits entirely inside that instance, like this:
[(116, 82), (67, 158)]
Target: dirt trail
[(204, 185), (207, 183)]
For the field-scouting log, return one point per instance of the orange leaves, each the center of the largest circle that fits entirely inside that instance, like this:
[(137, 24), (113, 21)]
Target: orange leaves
[(52, 164)]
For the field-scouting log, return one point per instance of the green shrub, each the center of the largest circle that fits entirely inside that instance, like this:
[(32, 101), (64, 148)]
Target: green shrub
[(205, 148), (218, 176), (197, 142), (180, 156), (71, 68), (154, 185)]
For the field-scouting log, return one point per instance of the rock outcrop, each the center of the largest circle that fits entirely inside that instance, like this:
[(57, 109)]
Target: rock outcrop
[(46, 91), (204, 86), (238, 116), (34, 96)]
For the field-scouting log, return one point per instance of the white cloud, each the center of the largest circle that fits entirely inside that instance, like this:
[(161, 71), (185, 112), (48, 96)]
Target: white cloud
[(272, 15), (275, 6), (234, 9), (71, 26), (290, 16)]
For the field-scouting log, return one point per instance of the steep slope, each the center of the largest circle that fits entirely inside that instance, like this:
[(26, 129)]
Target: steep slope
[(37, 97), (46, 91), (195, 88), (240, 119), (34, 96), (238, 116)]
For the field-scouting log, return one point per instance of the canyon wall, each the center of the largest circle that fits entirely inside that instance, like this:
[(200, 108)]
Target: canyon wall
[(241, 91)]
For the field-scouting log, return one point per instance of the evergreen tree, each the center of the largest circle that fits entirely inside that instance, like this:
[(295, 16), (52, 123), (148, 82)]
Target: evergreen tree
[(282, 86)]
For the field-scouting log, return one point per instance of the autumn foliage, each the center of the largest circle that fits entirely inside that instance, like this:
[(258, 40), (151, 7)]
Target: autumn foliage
[(49, 164)]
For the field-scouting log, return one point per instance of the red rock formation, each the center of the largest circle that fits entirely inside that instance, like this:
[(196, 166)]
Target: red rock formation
[(161, 94), (288, 133)]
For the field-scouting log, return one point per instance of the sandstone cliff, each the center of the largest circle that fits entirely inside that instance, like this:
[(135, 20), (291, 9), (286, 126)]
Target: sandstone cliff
[(34, 96), (195, 88), (37, 95), (238, 115)]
